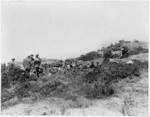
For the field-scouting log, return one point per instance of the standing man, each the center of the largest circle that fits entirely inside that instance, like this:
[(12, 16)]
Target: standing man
[(37, 63), (11, 64), (32, 60), (27, 65)]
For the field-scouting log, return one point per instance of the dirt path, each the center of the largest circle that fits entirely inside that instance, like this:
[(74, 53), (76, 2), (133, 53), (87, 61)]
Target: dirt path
[(131, 100)]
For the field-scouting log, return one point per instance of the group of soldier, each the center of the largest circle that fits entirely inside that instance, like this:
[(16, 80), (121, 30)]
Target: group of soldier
[(29, 64)]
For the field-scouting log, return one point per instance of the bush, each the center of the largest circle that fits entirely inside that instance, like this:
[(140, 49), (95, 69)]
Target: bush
[(141, 65), (97, 90), (116, 46), (15, 75), (138, 50), (23, 90), (99, 82), (53, 87)]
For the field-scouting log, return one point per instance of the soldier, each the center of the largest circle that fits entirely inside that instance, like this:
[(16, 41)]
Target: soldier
[(27, 65), (31, 57), (11, 64), (37, 63), (92, 65), (32, 61), (3, 67)]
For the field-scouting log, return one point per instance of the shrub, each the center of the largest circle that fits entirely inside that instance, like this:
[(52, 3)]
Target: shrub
[(23, 90), (14, 75), (99, 82), (141, 65), (138, 50), (97, 90), (116, 46)]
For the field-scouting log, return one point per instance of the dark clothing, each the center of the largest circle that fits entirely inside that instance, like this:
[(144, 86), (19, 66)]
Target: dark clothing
[(37, 71), (27, 71), (32, 59), (37, 63), (32, 62), (92, 66)]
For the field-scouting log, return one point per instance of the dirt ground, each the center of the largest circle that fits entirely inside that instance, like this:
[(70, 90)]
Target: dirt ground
[(131, 99)]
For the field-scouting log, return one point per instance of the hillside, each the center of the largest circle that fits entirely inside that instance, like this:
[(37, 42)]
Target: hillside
[(134, 44), (134, 47), (111, 88), (130, 99)]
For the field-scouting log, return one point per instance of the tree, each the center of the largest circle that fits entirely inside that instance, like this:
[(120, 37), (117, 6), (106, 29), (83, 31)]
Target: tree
[(90, 56)]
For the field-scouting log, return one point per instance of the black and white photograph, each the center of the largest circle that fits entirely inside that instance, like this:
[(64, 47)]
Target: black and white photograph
[(74, 58)]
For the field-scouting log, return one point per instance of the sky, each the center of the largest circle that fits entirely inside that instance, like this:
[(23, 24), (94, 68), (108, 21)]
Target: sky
[(67, 29)]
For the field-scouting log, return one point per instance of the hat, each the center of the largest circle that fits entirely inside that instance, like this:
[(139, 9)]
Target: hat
[(31, 55), (13, 58)]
